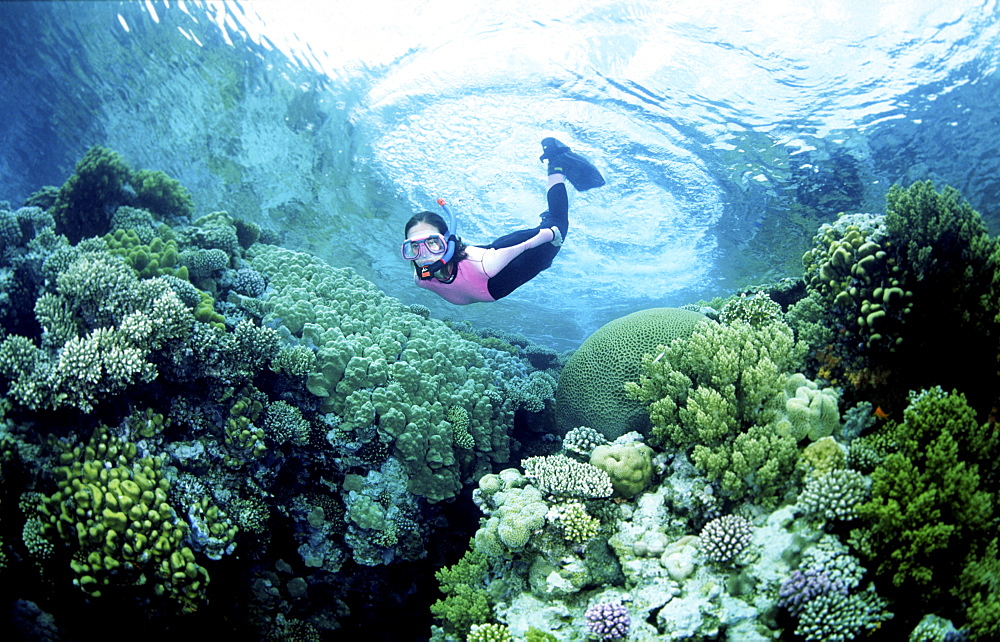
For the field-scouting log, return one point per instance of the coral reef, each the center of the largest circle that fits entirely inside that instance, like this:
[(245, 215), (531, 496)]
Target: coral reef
[(176, 390), (721, 395)]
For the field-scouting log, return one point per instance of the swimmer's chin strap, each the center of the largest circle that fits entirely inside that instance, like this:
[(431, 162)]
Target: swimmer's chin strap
[(428, 271)]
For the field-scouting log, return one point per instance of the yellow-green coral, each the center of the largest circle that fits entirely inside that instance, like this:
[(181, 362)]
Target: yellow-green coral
[(243, 427), (721, 394), (112, 509), (156, 258), (578, 526), (158, 192), (630, 466)]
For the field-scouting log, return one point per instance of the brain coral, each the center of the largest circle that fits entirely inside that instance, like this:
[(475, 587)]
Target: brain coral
[(592, 385)]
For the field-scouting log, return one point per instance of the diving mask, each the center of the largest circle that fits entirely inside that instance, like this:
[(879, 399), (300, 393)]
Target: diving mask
[(431, 247)]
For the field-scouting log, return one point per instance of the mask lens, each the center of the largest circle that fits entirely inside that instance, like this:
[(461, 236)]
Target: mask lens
[(411, 250), (434, 245)]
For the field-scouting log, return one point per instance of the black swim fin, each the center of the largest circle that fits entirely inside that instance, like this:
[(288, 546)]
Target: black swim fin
[(577, 169)]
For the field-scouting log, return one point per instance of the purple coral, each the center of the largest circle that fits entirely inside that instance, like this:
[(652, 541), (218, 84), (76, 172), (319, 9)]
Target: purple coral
[(803, 586), (609, 620)]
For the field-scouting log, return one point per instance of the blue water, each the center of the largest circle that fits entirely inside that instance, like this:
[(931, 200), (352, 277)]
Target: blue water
[(729, 131)]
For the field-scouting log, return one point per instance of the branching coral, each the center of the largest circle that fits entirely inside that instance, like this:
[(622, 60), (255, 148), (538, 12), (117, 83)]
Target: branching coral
[(99, 330), (720, 394), (928, 496)]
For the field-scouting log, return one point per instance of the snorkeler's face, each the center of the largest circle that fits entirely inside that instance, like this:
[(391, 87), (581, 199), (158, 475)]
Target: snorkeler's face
[(424, 244)]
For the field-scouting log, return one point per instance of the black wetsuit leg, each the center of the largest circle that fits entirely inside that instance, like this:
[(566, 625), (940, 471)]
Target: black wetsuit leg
[(529, 263)]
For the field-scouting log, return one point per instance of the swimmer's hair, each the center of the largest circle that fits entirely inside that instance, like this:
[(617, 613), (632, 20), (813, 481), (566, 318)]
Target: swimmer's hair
[(426, 217)]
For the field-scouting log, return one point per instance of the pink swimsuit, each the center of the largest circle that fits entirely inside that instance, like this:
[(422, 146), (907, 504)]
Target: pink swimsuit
[(473, 273)]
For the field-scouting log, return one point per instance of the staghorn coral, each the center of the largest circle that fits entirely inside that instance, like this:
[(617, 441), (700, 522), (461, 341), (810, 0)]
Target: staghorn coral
[(575, 522), (582, 441), (835, 616)]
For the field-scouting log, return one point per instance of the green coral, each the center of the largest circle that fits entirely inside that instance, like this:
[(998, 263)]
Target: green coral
[(216, 230), (490, 632), (295, 361), (630, 466), (979, 588), (720, 394), (244, 426), (466, 602), (520, 512), (591, 385), (756, 309), (99, 331), (82, 206), (928, 496), (204, 312), (112, 510), (840, 617), (155, 258), (379, 365), (577, 525), (159, 193)]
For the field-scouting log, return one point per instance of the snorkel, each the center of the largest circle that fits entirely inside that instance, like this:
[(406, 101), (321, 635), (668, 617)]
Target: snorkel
[(427, 271)]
